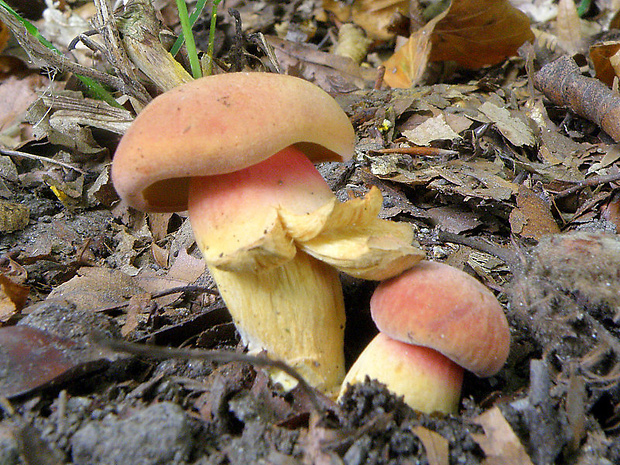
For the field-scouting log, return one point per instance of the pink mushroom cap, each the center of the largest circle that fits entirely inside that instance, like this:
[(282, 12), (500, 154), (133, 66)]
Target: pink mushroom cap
[(440, 307)]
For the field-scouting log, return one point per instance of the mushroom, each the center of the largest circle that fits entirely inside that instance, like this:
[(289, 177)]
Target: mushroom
[(237, 150), (434, 322)]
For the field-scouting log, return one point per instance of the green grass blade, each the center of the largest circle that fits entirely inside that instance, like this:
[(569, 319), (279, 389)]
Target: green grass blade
[(189, 39), (192, 20), (209, 69)]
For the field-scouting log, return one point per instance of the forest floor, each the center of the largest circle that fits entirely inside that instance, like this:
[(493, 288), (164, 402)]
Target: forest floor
[(505, 171)]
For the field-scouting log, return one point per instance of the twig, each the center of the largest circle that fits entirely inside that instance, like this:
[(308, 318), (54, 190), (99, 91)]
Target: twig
[(165, 292), (40, 53), (423, 151), (105, 23), (563, 84), (509, 257), (212, 356), (14, 153), (593, 181)]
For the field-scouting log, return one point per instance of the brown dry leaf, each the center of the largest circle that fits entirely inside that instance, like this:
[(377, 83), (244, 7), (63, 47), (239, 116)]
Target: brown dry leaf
[(376, 16), (102, 192), (139, 305), (532, 217), (568, 27), (436, 446), (511, 127), (159, 223), (432, 129), (499, 442), (314, 442), (186, 267), (479, 179), (16, 95), (407, 65), (184, 271), (160, 255), (12, 297), (32, 358), (96, 287), (331, 72), (339, 8), (476, 33), (601, 55), (4, 36)]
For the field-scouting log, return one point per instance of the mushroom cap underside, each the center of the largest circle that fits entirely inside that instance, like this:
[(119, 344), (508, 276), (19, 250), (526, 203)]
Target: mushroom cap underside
[(220, 124)]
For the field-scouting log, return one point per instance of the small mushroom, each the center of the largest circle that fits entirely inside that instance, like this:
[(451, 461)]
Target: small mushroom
[(434, 322), (237, 150)]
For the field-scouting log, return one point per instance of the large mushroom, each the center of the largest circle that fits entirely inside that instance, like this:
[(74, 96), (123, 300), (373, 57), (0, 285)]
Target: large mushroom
[(237, 150), (434, 322)]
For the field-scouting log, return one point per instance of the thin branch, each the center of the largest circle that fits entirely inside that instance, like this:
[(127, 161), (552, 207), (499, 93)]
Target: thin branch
[(14, 153), (212, 356), (105, 23), (43, 55), (165, 292), (593, 181)]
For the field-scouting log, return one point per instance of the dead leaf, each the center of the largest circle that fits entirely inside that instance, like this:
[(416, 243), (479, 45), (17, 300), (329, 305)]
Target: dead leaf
[(532, 216), (430, 130), (12, 297), (32, 359), (331, 72), (436, 446), (376, 16), (512, 128), (499, 442), (476, 33), (601, 55), (97, 287), (4, 35), (339, 8), (160, 255), (186, 267), (16, 95), (568, 27), (139, 306), (102, 191), (407, 65), (159, 223)]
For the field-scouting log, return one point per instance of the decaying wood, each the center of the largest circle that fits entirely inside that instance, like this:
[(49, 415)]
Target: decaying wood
[(563, 84), (106, 25), (43, 56), (139, 29)]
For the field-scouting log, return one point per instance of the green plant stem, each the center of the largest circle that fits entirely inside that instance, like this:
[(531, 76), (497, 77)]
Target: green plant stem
[(209, 69), (583, 8), (189, 39), (95, 87), (192, 20)]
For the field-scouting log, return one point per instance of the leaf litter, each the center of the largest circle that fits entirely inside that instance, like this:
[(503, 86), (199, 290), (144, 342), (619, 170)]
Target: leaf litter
[(503, 171)]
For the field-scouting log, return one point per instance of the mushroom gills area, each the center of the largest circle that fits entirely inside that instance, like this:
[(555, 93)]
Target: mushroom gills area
[(283, 301)]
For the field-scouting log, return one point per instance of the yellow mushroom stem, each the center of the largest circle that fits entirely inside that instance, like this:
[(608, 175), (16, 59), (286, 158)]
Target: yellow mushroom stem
[(428, 381), (274, 236), (294, 312)]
